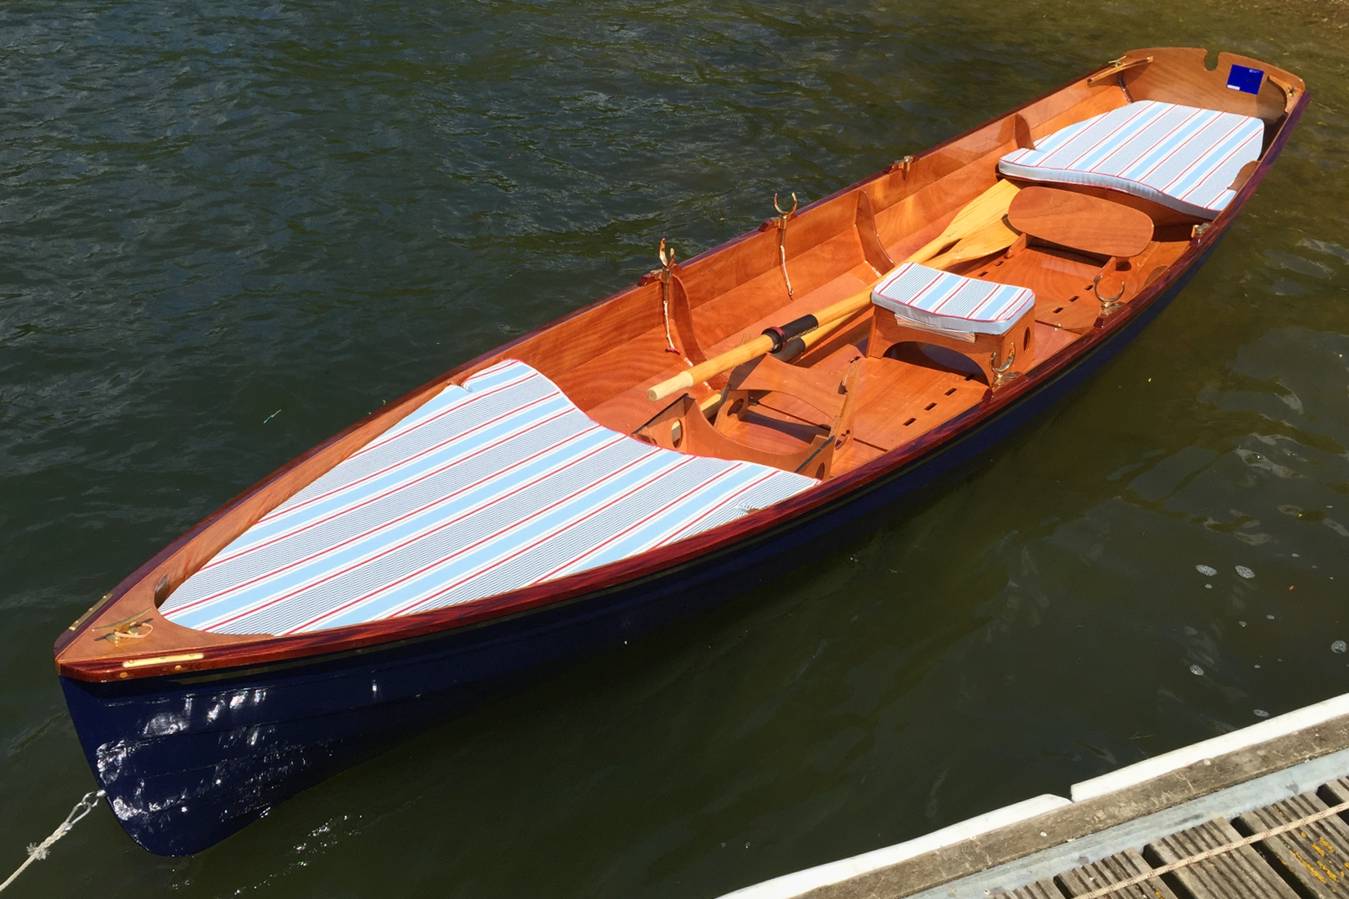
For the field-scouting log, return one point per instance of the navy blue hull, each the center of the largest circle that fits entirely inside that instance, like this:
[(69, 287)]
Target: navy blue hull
[(187, 761)]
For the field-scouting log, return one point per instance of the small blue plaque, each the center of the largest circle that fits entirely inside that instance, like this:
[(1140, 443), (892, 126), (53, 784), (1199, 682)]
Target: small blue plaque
[(1245, 79)]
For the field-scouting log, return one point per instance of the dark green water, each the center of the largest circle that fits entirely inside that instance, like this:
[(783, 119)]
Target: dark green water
[(229, 229)]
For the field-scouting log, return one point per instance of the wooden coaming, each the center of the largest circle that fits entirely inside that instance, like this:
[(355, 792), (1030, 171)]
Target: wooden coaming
[(1181, 75), (604, 356)]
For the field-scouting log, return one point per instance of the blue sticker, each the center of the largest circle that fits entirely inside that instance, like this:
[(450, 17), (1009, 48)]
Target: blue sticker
[(1245, 79)]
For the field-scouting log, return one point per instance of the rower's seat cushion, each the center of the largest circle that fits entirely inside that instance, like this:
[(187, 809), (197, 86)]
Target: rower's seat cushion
[(486, 488), (1179, 156), (934, 300)]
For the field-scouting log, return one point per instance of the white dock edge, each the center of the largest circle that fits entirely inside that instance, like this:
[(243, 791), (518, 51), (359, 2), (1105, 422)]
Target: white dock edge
[(799, 882), (833, 872), (1246, 737)]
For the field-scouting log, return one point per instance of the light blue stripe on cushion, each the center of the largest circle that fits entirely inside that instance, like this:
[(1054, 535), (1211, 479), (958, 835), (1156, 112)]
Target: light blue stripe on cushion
[(462, 414), (1148, 120), (1141, 152), (932, 298), (1090, 144), (388, 476), (389, 473), (485, 488), (1203, 165), (1214, 190), (360, 583), (1059, 138), (1180, 156), (463, 562), (570, 539), (555, 557), (345, 550), (410, 496), (680, 502), (941, 301)]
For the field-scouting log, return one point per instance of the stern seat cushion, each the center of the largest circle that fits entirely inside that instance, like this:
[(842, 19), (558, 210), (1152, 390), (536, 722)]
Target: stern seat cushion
[(1179, 156), (485, 488), (934, 300)]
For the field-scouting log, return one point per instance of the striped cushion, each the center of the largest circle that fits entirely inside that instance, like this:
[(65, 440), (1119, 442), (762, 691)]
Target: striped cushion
[(486, 488), (924, 297), (1179, 156)]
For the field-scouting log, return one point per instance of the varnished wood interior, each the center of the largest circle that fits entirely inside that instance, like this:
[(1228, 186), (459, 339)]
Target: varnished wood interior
[(606, 356)]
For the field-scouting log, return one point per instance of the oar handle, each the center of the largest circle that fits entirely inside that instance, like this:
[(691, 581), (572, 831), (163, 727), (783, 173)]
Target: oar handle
[(714, 366), (768, 342), (798, 345)]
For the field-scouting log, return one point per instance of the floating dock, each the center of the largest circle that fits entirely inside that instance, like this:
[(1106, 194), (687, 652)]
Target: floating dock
[(1259, 812)]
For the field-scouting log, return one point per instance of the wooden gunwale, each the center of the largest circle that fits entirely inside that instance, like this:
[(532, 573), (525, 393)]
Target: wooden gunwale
[(252, 652)]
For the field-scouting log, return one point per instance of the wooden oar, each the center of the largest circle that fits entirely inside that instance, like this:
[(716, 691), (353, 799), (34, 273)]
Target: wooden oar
[(988, 216), (992, 238), (795, 347), (759, 346), (984, 210)]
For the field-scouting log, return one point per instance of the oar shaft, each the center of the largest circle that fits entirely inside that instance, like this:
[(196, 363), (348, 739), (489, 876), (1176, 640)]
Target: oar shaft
[(835, 311), (759, 346), (932, 248), (714, 366)]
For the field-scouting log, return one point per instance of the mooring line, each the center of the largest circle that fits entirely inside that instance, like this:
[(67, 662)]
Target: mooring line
[(37, 852)]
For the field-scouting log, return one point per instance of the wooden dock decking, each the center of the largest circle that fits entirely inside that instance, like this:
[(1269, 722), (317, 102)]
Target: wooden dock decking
[(1260, 812), (1293, 848)]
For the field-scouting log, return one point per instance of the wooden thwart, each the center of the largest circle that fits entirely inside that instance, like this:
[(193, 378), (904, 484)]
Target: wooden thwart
[(995, 354)]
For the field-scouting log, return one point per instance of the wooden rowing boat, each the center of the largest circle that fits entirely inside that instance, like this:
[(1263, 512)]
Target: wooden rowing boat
[(612, 469)]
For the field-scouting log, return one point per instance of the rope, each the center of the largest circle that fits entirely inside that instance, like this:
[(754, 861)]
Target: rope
[(37, 852), (1216, 851)]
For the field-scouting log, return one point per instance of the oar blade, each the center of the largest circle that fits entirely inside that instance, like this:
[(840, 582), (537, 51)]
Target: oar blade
[(986, 209), (991, 239)]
